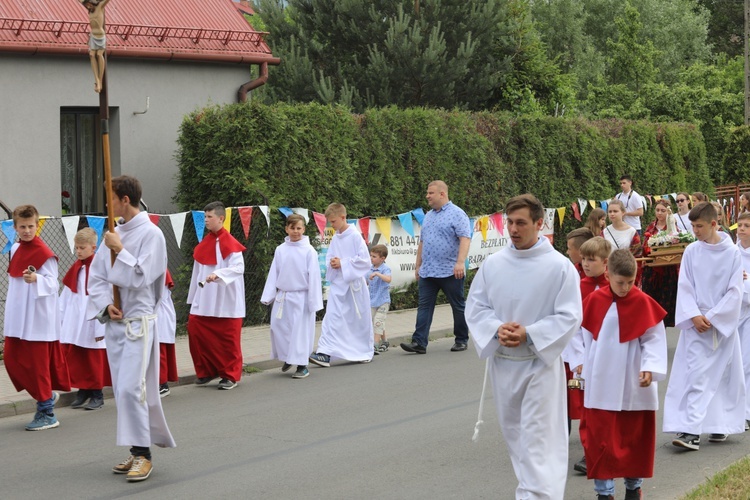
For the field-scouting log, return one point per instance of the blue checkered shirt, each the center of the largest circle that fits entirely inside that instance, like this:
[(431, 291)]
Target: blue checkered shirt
[(440, 235)]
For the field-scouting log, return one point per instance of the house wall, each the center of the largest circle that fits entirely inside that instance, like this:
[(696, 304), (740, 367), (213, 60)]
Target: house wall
[(34, 89)]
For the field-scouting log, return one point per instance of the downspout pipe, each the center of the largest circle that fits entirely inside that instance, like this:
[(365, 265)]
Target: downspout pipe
[(253, 84)]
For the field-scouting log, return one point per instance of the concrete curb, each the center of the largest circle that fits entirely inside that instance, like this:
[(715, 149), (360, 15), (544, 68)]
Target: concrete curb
[(25, 405)]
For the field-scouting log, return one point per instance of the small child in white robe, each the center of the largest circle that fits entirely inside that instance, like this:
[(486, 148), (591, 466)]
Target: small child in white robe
[(295, 289), (347, 328), (743, 243), (625, 355), (706, 391), (166, 319)]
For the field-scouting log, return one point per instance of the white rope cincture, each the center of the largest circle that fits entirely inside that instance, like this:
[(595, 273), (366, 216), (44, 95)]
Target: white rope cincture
[(280, 297), (131, 335), (475, 437), (716, 338)]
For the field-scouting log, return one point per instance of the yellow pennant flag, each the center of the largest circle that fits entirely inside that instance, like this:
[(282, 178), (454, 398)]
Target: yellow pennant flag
[(592, 203), (733, 227), (657, 197), (42, 222), (384, 225), (227, 219), (484, 223), (560, 215)]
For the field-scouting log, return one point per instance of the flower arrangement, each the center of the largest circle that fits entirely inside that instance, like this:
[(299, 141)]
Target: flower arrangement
[(670, 236), (65, 207)]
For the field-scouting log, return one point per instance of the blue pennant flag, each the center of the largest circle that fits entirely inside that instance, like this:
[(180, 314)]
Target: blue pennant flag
[(407, 223), (10, 232), (286, 211), (97, 224), (472, 221), (604, 204), (199, 221), (419, 215)]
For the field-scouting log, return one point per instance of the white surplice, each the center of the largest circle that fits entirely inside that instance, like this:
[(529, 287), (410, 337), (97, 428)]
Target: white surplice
[(76, 329), (706, 390), (31, 311), (224, 298), (611, 368), (538, 288), (744, 326), (294, 286), (346, 332), (132, 345)]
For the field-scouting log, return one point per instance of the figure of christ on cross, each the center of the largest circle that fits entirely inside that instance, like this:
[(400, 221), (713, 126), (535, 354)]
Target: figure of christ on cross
[(97, 39)]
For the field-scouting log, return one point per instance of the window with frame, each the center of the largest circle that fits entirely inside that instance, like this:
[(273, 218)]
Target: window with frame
[(80, 166)]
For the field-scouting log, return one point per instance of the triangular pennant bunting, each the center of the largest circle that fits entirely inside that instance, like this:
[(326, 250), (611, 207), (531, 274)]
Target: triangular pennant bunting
[(228, 219), (154, 218), (582, 205), (40, 226), (604, 204), (97, 224), (364, 227), (246, 217), (497, 219), (303, 212), (178, 226), (320, 221), (10, 232), (407, 223), (561, 215), (199, 221), (484, 224), (576, 213), (384, 225), (418, 214), (264, 209), (286, 211), (70, 227), (592, 203), (472, 226)]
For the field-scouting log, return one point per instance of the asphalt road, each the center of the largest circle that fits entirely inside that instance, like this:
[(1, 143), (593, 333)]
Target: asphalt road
[(398, 428)]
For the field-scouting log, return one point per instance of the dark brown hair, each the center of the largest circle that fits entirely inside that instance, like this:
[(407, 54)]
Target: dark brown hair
[(126, 185), (528, 200)]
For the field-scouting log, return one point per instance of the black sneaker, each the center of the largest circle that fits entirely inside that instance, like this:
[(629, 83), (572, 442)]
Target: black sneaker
[(203, 380), (164, 390), (95, 403), (286, 367), (635, 494), (80, 400), (717, 438), (225, 384), (689, 441), (580, 466), (302, 372), (458, 347)]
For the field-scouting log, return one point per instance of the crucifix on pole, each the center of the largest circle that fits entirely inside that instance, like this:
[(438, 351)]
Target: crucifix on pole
[(98, 57)]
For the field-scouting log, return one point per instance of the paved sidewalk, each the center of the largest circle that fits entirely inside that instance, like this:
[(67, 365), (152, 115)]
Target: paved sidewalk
[(256, 349)]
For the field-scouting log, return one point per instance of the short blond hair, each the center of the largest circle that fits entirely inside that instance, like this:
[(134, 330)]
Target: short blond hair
[(335, 210), (596, 247), (86, 235), (617, 203)]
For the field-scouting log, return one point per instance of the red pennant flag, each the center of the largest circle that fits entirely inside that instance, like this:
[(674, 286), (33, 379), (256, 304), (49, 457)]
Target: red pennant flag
[(154, 218), (576, 211), (246, 216), (364, 226), (497, 219), (320, 221)]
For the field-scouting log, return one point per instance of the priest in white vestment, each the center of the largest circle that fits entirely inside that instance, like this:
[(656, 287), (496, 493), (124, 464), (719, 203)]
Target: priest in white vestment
[(523, 307)]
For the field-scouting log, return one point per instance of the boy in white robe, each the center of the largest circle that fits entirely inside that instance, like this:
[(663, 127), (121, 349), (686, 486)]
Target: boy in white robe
[(166, 316), (523, 307), (33, 357), (743, 244), (86, 357), (706, 391), (294, 287), (217, 303), (132, 346), (625, 355), (347, 328)]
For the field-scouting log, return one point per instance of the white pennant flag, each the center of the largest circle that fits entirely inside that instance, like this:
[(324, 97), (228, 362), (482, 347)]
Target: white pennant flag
[(582, 204), (264, 209), (178, 226), (303, 212), (70, 225), (674, 196)]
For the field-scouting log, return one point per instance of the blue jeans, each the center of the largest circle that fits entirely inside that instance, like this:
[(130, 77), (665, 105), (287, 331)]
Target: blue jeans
[(454, 291), (607, 486), (47, 406)]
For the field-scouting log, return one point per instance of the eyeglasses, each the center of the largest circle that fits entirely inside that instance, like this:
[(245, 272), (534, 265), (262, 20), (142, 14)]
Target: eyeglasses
[(680, 200)]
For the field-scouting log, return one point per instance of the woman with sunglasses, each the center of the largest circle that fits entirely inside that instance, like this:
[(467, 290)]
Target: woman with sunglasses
[(681, 220)]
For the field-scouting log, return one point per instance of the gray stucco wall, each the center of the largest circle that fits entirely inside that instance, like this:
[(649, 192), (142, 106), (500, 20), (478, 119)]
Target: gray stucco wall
[(34, 88)]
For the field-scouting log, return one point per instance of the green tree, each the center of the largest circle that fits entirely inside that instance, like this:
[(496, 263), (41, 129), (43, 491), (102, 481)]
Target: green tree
[(630, 59), (471, 54)]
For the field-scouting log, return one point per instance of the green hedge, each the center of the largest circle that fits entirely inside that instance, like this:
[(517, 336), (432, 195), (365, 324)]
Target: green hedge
[(379, 163)]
